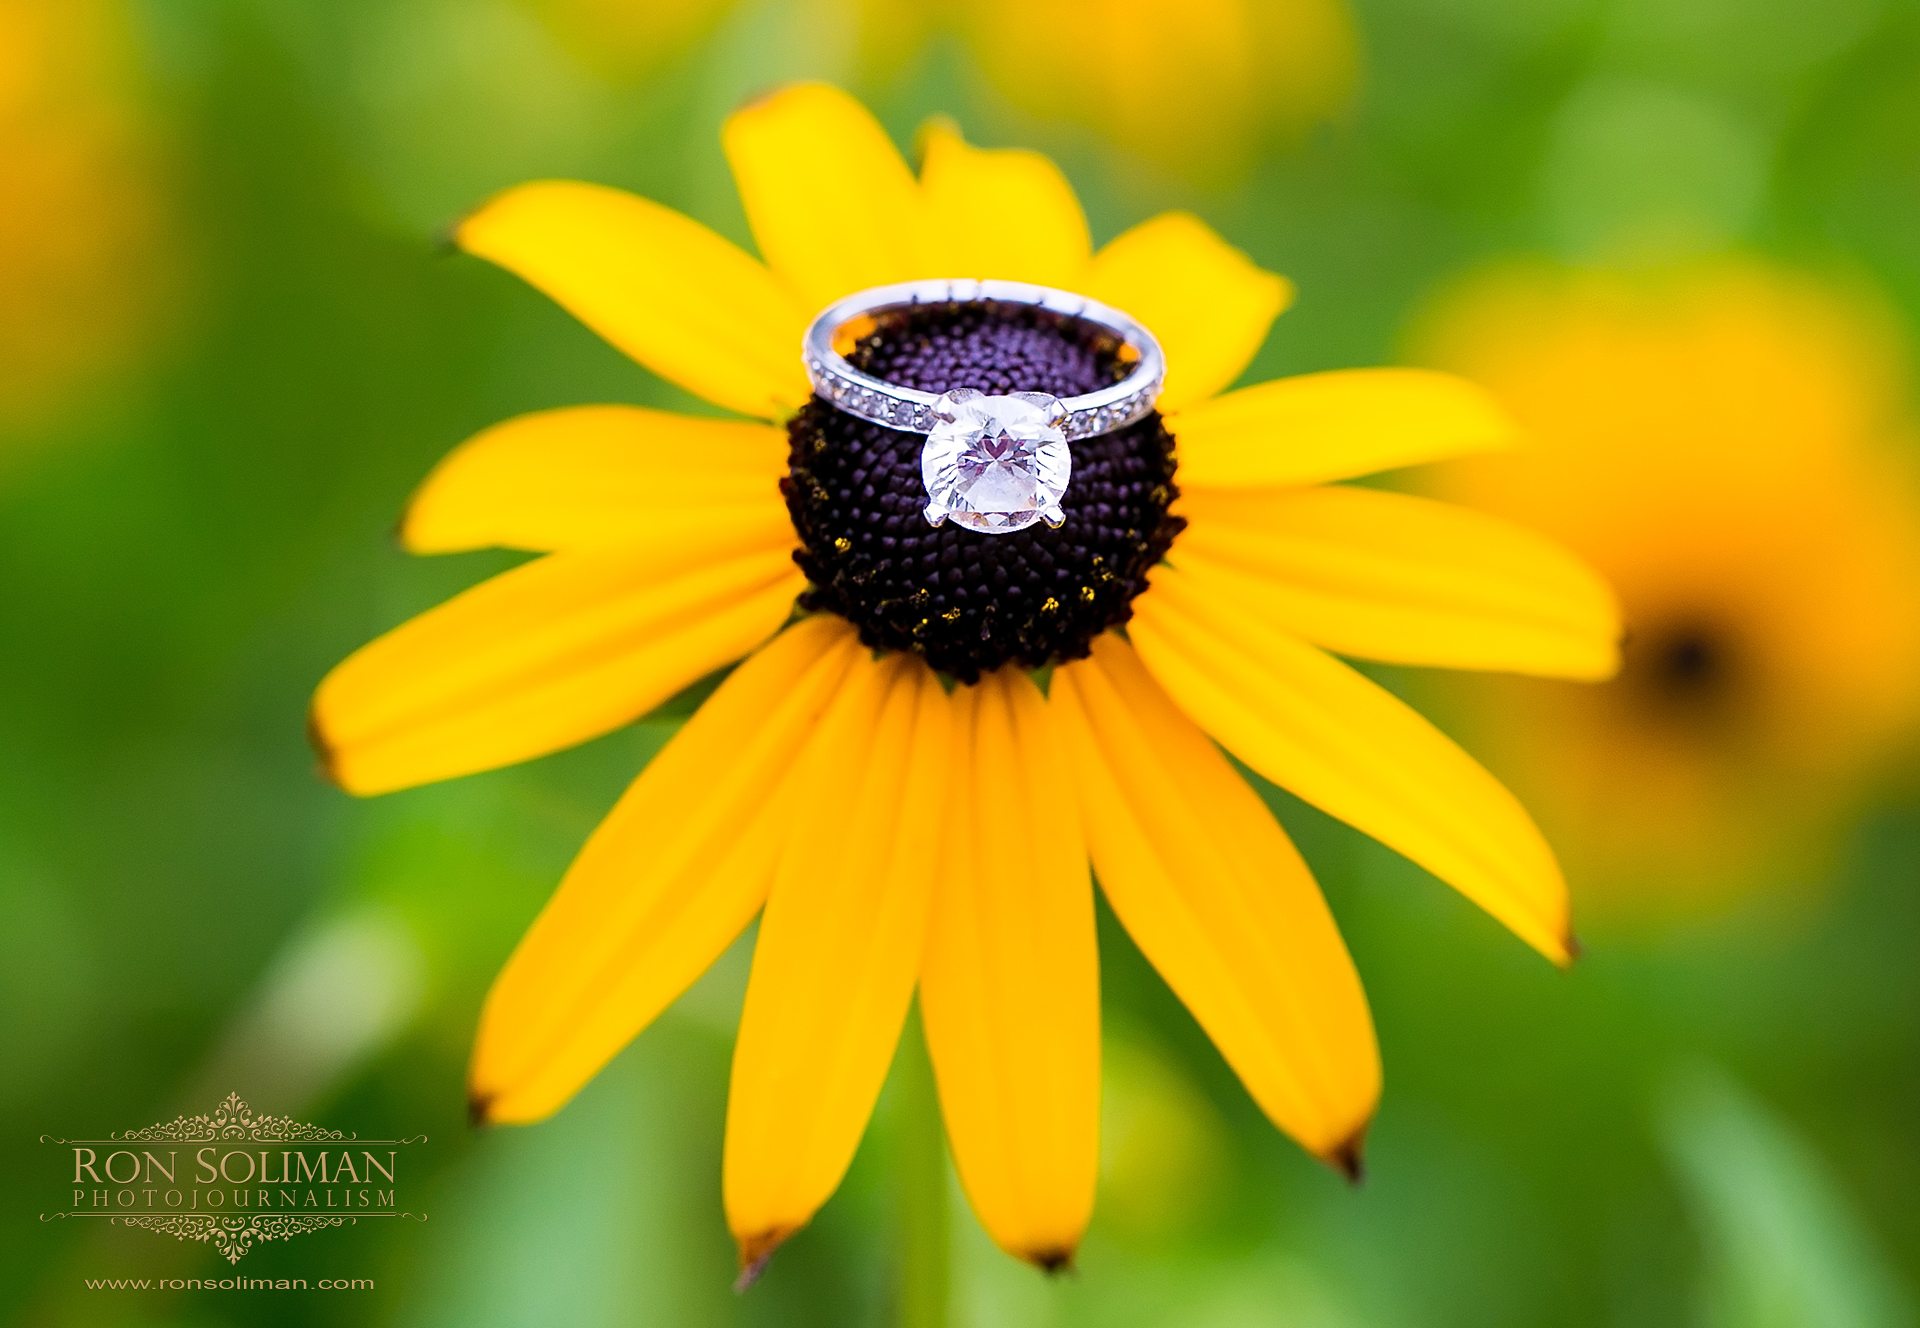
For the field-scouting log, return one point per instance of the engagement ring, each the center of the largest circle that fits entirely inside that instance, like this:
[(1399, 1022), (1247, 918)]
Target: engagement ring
[(994, 464)]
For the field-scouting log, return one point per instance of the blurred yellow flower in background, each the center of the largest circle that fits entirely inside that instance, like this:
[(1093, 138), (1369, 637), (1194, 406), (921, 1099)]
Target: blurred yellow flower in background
[(1722, 443), (76, 231), (1195, 86)]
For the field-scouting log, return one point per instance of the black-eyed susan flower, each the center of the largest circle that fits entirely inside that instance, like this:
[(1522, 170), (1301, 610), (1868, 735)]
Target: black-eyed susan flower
[(1723, 441), (895, 834)]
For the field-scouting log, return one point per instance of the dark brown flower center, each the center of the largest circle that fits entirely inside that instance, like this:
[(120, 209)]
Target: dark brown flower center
[(1687, 669), (971, 602)]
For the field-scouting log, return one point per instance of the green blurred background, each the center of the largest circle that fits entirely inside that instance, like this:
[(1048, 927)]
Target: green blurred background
[(230, 344)]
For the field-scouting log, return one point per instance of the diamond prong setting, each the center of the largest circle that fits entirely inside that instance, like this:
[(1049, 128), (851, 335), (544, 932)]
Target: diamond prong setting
[(947, 403), (1055, 409)]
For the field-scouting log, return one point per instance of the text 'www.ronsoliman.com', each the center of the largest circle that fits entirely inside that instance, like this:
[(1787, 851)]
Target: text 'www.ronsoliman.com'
[(227, 1284)]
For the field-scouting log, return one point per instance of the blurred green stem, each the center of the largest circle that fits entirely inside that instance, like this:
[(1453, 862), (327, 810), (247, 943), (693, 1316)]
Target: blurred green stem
[(920, 1178)]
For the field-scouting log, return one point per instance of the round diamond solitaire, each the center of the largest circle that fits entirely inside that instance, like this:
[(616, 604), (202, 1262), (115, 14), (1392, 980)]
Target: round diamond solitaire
[(996, 464)]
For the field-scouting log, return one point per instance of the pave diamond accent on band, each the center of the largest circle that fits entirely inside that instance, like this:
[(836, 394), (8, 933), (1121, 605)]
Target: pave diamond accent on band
[(914, 411)]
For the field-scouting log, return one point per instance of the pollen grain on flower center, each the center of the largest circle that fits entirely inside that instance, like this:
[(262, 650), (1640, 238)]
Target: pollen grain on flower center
[(970, 602)]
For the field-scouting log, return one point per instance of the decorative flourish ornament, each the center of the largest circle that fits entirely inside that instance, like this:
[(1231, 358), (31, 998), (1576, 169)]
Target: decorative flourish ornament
[(234, 1119), (882, 781), (233, 1236)]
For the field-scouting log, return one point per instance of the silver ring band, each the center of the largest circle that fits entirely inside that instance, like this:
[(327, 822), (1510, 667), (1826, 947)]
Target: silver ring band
[(912, 411)]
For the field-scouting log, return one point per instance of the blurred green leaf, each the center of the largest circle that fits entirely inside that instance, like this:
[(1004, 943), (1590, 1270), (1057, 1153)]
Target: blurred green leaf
[(1783, 1247)]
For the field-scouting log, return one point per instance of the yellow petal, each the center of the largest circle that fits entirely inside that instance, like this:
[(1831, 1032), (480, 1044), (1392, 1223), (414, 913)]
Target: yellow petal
[(1348, 746), (1005, 214), (1207, 303), (548, 655), (589, 475), (672, 875), (661, 287), (832, 206), (1334, 426), (1216, 897), (1010, 990), (1392, 577), (839, 949)]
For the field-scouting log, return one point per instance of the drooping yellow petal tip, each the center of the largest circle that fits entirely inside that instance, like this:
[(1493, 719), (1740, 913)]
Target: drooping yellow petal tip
[(457, 235), (1052, 1260), (1560, 947), (1348, 1157), (1557, 945), (756, 1251), (326, 757), (487, 1108)]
